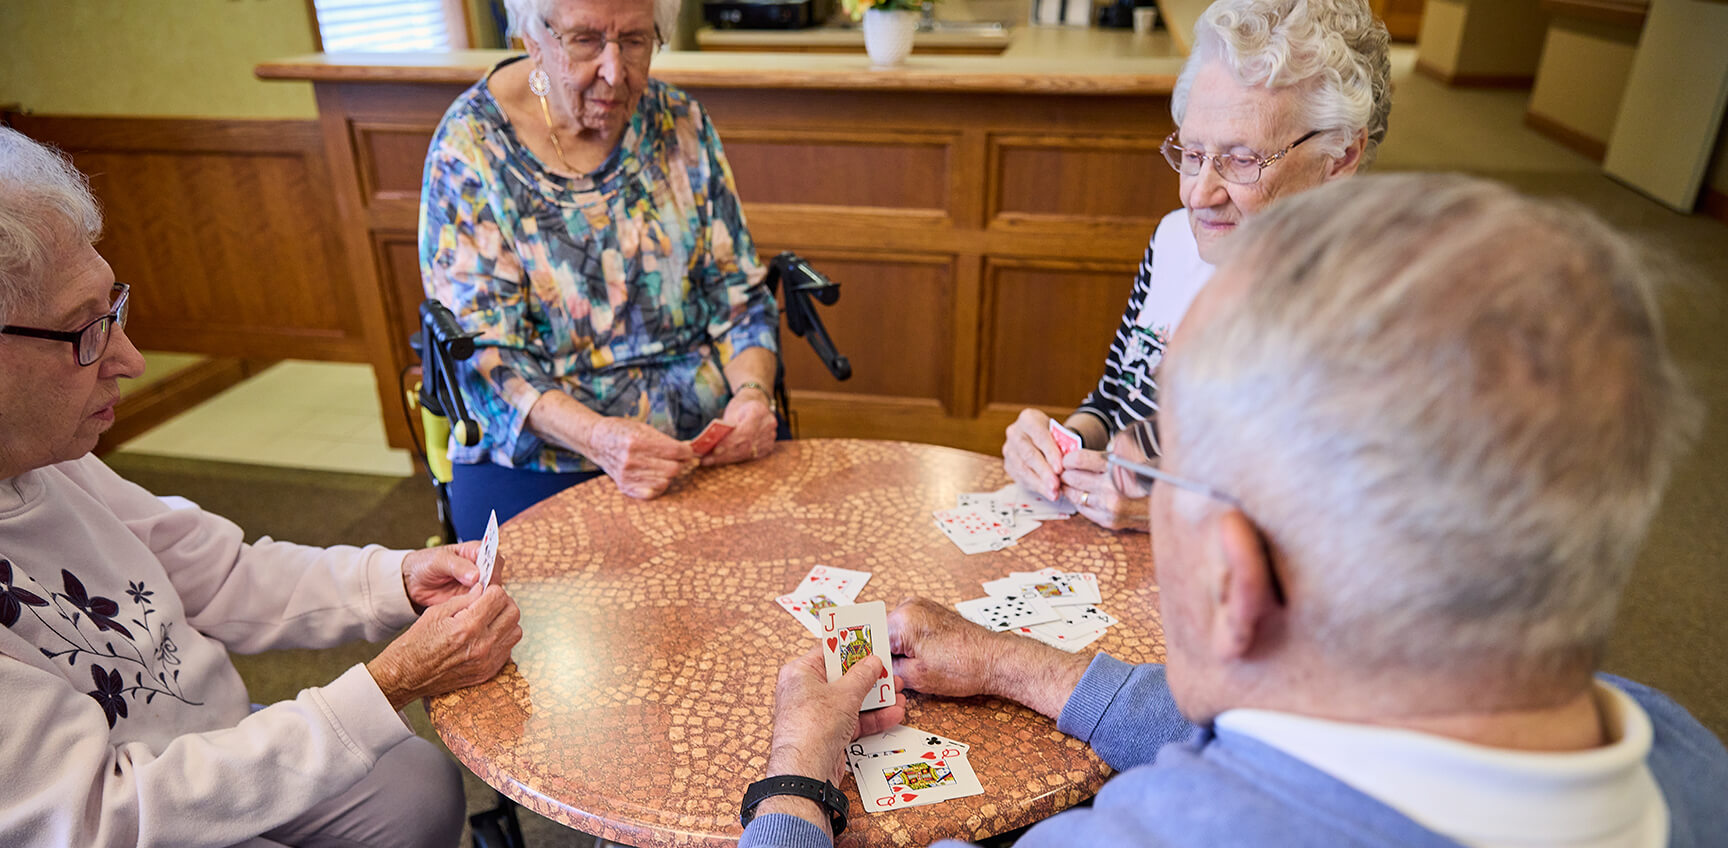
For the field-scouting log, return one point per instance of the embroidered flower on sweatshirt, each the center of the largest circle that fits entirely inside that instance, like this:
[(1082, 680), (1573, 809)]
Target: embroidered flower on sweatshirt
[(110, 692), (101, 610), (13, 598)]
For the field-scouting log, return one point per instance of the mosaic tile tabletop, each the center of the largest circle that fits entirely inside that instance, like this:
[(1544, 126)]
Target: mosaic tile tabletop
[(639, 703)]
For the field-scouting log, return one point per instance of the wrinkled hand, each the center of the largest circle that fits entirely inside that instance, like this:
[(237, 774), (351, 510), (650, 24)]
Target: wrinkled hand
[(435, 575), (754, 429), (1086, 483), (941, 653), (460, 642), (1030, 456), (814, 719), (642, 460)]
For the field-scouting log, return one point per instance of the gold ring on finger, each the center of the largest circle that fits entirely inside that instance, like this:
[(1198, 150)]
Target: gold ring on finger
[(1085, 496)]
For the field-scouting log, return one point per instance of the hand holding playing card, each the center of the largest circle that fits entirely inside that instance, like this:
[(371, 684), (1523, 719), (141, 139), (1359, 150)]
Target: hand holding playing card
[(753, 430), (435, 575), (460, 642), (642, 460), (1086, 483), (814, 719), (1030, 455)]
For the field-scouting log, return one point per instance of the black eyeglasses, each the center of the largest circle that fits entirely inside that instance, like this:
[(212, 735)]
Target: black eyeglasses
[(1238, 168), (91, 340)]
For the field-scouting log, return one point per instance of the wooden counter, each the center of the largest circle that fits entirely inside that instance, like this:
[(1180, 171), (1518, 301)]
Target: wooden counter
[(984, 215)]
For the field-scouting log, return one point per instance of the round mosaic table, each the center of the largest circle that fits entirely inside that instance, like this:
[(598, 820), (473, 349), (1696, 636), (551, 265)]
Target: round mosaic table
[(640, 701)]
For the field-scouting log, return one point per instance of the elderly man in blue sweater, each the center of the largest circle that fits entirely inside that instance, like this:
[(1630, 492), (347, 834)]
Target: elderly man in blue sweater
[(1413, 434)]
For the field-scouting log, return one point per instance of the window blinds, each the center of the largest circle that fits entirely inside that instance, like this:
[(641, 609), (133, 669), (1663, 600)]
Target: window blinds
[(382, 25)]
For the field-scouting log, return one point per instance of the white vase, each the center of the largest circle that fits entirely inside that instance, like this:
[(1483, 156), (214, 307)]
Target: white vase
[(888, 35)]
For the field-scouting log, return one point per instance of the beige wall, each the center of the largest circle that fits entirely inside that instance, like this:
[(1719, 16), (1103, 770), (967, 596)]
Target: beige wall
[(1482, 38), (1583, 75), (152, 57), (1442, 35)]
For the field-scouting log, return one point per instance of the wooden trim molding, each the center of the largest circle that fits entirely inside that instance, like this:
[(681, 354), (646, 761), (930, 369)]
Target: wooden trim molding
[(1626, 13), (1714, 203), (1434, 72), (1566, 136)]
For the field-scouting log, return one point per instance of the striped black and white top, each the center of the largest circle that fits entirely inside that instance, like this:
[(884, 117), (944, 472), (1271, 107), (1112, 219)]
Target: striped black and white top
[(1128, 391)]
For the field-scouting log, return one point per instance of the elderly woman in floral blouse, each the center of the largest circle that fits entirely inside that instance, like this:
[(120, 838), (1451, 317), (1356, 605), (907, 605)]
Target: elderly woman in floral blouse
[(582, 219)]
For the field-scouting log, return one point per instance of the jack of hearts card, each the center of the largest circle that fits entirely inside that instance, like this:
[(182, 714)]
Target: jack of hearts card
[(851, 633)]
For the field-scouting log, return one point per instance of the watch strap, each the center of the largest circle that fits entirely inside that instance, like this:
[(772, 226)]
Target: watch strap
[(773, 405), (825, 794)]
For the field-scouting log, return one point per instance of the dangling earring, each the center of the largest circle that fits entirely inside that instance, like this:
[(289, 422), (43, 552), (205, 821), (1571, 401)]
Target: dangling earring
[(540, 84)]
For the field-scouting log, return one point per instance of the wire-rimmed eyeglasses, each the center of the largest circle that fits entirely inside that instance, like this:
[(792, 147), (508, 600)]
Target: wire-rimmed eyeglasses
[(586, 45), (1146, 439), (1238, 168), (91, 340)]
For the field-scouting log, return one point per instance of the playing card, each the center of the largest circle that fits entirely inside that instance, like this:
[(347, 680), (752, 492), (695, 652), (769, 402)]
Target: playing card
[(488, 550), (900, 740), (1067, 440), (808, 603), (976, 529), (913, 779), (1058, 588), (843, 581), (711, 435), (1025, 502), (1069, 643), (1000, 614), (851, 633)]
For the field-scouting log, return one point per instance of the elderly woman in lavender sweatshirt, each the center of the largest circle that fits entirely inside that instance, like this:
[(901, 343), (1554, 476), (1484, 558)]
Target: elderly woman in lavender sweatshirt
[(122, 718)]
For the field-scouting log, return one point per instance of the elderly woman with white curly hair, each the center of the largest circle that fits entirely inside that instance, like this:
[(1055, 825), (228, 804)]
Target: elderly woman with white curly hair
[(1277, 97), (582, 219)]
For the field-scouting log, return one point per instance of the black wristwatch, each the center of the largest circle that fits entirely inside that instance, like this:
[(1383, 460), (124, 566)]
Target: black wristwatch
[(825, 794)]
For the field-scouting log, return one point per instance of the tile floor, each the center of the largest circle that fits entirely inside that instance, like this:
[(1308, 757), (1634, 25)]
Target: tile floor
[(318, 415)]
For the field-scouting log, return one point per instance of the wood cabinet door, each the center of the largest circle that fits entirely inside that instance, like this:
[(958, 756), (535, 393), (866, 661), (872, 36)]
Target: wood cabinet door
[(1403, 17)]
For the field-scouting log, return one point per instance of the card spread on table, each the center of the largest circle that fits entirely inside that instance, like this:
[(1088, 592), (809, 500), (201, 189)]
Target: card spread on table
[(1056, 587), (711, 435), (901, 740), (913, 779), (851, 633), (846, 582), (1001, 614), (976, 529), (1067, 441), (808, 603), (488, 551)]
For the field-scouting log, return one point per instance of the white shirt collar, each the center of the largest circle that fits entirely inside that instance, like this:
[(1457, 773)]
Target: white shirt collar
[(1487, 797)]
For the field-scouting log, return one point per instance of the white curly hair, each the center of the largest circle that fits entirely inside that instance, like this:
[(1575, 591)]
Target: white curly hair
[(526, 14), (41, 196), (1335, 49)]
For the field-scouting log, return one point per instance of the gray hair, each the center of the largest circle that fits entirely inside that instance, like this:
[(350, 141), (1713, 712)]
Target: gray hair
[(41, 195), (526, 14), (1450, 408), (1335, 49)]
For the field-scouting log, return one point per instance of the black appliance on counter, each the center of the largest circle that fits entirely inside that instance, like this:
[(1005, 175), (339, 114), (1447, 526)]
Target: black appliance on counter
[(765, 14)]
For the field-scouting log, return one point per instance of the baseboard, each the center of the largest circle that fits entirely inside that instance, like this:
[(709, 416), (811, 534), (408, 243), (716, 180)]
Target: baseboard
[(1565, 136), (1475, 80), (137, 413), (1715, 204)]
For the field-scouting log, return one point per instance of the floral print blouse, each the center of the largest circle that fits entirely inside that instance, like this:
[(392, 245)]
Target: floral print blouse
[(628, 288)]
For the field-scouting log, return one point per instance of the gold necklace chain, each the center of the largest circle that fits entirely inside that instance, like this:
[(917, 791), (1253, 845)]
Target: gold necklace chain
[(552, 132)]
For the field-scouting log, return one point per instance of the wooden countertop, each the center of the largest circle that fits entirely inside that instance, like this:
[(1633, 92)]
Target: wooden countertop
[(1044, 60)]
